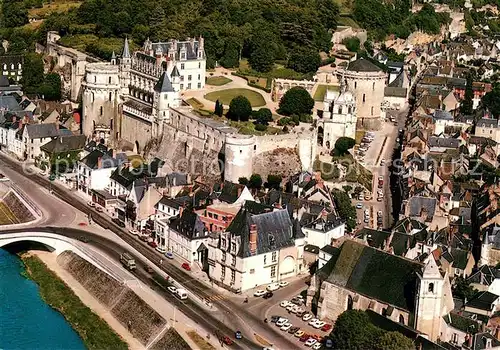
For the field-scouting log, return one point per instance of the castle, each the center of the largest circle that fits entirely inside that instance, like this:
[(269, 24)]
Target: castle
[(134, 102)]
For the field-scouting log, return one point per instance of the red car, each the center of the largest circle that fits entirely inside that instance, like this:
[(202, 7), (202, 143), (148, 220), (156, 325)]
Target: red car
[(152, 244), (326, 327), (304, 337), (225, 338), (186, 266)]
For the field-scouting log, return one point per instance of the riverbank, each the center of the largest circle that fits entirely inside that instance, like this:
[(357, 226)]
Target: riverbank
[(94, 331)]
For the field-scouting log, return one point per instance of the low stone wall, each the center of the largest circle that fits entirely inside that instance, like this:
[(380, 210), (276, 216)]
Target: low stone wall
[(171, 340), (143, 322), (22, 213)]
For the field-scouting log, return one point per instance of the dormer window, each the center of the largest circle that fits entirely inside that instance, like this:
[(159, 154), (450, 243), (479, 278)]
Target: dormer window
[(431, 288)]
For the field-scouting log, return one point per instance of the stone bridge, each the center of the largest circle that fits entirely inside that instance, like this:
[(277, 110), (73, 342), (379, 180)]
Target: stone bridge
[(59, 243)]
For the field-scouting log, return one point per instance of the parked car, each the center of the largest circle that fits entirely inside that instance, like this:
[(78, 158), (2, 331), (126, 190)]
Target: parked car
[(299, 333), (307, 317), (359, 206), (286, 327), (268, 295), (144, 238), (99, 209), (284, 303), (259, 293), (319, 324), (169, 255), (326, 327), (118, 222), (317, 346), (281, 321), (293, 330), (274, 318), (238, 335), (226, 340), (186, 266), (161, 250), (310, 342), (304, 337), (172, 289), (313, 321), (91, 204), (300, 313), (152, 244), (149, 269), (133, 232), (297, 301), (283, 284), (272, 287)]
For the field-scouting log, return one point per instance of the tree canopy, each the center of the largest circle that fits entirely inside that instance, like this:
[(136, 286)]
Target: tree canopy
[(296, 101), (343, 145), (345, 208), (239, 109), (255, 181), (491, 101), (304, 60), (352, 43)]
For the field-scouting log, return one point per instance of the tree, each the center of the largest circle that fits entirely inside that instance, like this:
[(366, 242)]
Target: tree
[(345, 208), (462, 289), (14, 14), (243, 181), (352, 43), (231, 56), (343, 145), (255, 181), (491, 101), (297, 100), (353, 330), (32, 73), (467, 103), (274, 181), (239, 109), (305, 60), (263, 116), (394, 341), (262, 58), (51, 87), (219, 109)]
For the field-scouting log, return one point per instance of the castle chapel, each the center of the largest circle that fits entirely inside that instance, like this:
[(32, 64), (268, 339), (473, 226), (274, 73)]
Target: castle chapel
[(129, 99)]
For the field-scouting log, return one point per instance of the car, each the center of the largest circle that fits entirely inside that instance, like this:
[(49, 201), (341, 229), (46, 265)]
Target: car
[(379, 213), (380, 178), (300, 313), (326, 327), (366, 220), (297, 301), (186, 266), (259, 293), (172, 289), (382, 162), (152, 244), (272, 287), (313, 321), (238, 335), (293, 330), (295, 308), (328, 343), (290, 307), (367, 211), (133, 232), (283, 284), (99, 209), (91, 204), (281, 321), (285, 303), (118, 222), (286, 327), (360, 197), (161, 250), (380, 192), (310, 342), (169, 255), (380, 199), (359, 206), (319, 324), (304, 337), (317, 346), (307, 317), (299, 333), (227, 340), (268, 295), (144, 238), (274, 318)]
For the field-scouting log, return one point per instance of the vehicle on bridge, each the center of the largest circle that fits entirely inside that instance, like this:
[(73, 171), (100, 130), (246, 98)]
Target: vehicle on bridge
[(127, 261)]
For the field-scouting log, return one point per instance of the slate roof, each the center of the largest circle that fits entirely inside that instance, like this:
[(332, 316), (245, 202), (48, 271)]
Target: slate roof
[(126, 177), (65, 144), (177, 179), (164, 84), (9, 103), (229, 193), (398, 82), (488, 123), (374, 273), (272, 227), (480, 341), (418, 204), (126, 50), (4, 81), (363, 65), (395, 91), (189, 225), (444, 142), (407, 225), (191, 48), (108, 161), (313, 249), (39, 131), (462, 323), (439, 114), (485, 275), (482, 301)]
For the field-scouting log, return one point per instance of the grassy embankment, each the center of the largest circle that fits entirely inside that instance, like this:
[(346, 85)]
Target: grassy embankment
[(94, 331)]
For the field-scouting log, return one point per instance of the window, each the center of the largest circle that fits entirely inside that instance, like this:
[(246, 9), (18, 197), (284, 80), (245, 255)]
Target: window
[(364, 98), (109, 80), (373, 86), (223, 242), (431, 288), (265, 259), (355, 84), (182, 65), (165, 97), (350, 303), (233, 262), (199, 64), (189, 86), (252, 271), (233, 247), (223, 272), (233, 276), (189, 77), (199, 85), (216, 217), (454, 338), (110, 96), (273, 271), (111, 124), (199, 76), (223, 257), (95, 79), (182, 86), (274, 256), (101, 110), (372, 110), (401, 319)]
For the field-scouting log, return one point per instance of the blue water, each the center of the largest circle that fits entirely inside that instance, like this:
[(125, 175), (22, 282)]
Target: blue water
[(26, 322)]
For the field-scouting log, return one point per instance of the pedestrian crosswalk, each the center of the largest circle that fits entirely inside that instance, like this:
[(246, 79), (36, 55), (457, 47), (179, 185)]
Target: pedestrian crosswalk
[(216, 297)]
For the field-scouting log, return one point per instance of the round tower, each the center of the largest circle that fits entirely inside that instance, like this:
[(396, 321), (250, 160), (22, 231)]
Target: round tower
[(367, 81), (239, 152), (100, 97)]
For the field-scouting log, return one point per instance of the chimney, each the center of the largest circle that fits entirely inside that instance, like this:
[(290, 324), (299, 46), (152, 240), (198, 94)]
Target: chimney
[(99, 163), (253, 239)]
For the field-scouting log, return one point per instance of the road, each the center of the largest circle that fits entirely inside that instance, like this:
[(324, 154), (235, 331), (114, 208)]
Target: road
[(242, 318)]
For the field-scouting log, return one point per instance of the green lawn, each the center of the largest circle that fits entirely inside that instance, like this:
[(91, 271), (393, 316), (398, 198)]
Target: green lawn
[(319, 95), (225, 96), (218, 81)]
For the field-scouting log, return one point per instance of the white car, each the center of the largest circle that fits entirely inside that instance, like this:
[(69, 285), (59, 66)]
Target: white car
[(283, 284), (133, 232), (313, 321), (317, 346), (286, 327), (172, 289), (290, 307), (161, 250), (285, 303), (273, 286), (281, 322), (319, 324), (307, 317), (310, 342), (259, 293), (295, 309), (298, 310), (91, 204)]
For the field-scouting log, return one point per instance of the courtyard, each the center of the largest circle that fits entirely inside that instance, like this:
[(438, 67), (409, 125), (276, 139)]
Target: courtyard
[(225, 96)]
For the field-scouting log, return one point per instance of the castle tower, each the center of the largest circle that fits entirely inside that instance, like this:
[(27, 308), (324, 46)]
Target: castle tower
[(430, 300), (165, 96), (125, 66), (239, 153), (175, 77), (113, 58), (148, 47)]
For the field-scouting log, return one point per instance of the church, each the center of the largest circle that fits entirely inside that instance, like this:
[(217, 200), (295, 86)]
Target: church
[(339, 116), (129, 99), (414, 294)]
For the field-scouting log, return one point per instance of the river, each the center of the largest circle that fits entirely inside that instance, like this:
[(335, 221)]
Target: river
[(26, 322)]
